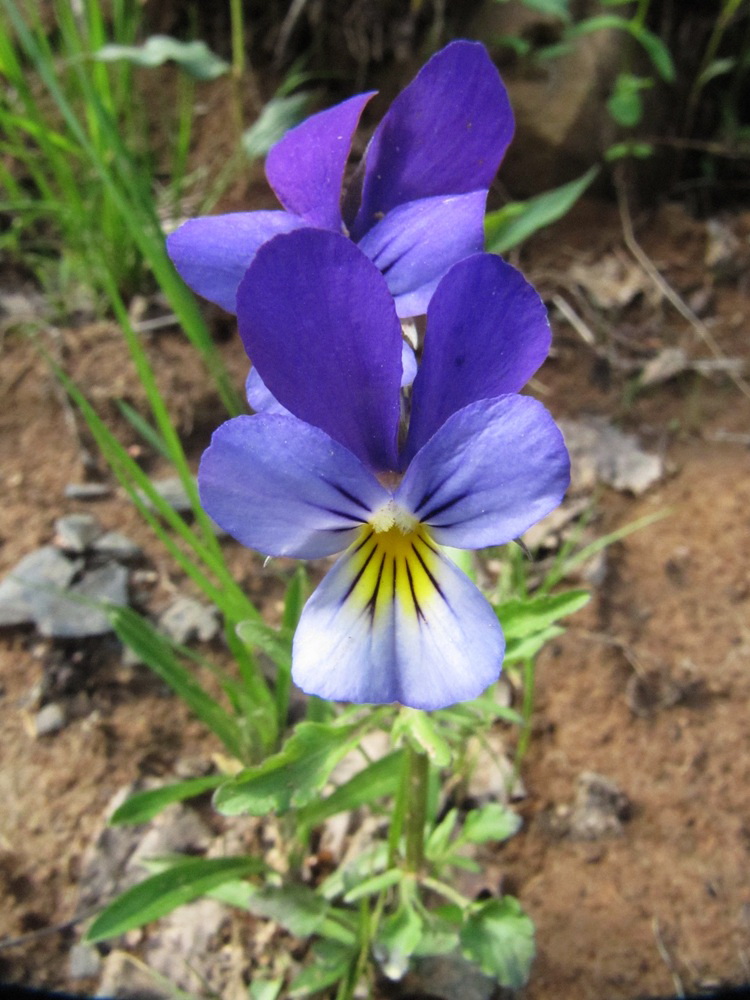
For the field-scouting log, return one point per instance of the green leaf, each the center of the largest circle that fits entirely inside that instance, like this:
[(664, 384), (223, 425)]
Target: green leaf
[(156, 652), (397, 939), (143, 806), (624, 103), (294, 776), (162, 893), (374, 885), (373, 782), (363, 866), (514, 223), (421, 730), (491, 822), (297, 908), (522, 617), (438, 841), (639, 150), (518, 650), (654, 47), (557, 8), (331, 962), (265, 989), (277, 117), (195, 58), (499, 937), (275, 643)]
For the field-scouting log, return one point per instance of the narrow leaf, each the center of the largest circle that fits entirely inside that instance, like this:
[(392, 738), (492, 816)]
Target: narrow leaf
[(514, 223), (143, 806), (195, 58), (524, 617), (162, 893)]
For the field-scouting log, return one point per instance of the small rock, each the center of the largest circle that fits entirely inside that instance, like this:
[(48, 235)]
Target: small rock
[(186, 620), (49, 719), (600, 452), (600, 808), (31, 581), (118, 546), (127, 978), (449, 977), (87, 491), (172, 492), (669, 362), (84, 962), (77, 613), (183, 947), (76, 532)]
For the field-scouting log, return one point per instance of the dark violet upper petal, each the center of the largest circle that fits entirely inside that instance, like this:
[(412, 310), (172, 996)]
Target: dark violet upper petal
[(285, 488), (212, 252), (416, 243), (491, 471), (487, 333), (306, 167), (319, 324), (446, 133)]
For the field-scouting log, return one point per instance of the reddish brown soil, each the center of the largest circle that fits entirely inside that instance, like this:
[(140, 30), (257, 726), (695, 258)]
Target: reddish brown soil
[(666, 904)]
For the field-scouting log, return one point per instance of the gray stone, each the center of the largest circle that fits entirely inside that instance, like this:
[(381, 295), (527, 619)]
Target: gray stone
[(187, 620), (76, 532), (183, 945), (172, 492), (492, 776), (49, 719), (30, 583), (600, 453), (126, 978), (449, 977), (78, 612), (87, 491), (84, 962), (600, 808), (118, 546)]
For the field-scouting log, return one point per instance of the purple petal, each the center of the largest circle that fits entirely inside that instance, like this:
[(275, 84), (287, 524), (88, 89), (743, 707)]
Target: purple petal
[(416, 243), (319, 323), (389, 625), (490, 472), (446, 133), (212, 252), (259, 398), (487, 333), (306, 167), (285, 488)]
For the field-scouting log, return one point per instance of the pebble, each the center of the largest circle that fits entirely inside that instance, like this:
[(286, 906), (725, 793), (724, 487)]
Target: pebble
[(172, 492), (76, 532), (600, 453), (28, 586), (75, 614), (186, 620), (118, 546), (87, 491), (84, 962), (49, 719)]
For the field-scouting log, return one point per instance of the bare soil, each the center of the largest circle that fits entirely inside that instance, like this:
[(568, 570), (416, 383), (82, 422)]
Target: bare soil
[(649, 687)]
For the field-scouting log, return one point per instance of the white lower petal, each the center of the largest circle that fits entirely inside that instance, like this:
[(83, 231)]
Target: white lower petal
[(396, 621)]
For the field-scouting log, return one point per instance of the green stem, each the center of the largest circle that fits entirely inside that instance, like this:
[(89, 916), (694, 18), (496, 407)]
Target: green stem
[(416, 807), (527, 711)]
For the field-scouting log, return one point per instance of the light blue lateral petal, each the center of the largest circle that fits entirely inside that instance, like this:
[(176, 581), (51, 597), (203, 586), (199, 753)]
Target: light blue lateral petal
[(396, 621), (491, 471), (306, 167), (285, 488), (259, 398), (487, 333), (212, 252), (317, 320), (416, 243)]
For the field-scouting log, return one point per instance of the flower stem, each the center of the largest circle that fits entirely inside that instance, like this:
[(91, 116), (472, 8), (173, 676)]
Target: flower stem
[(416, 807)]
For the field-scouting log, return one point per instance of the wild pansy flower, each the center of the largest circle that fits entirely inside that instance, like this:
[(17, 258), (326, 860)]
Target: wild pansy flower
[(476, 464), (416, 204)]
